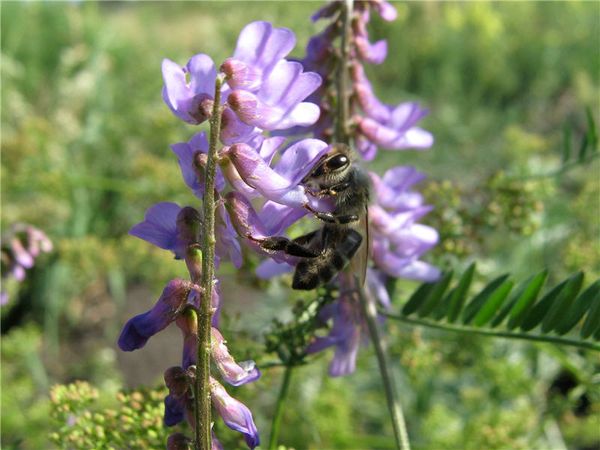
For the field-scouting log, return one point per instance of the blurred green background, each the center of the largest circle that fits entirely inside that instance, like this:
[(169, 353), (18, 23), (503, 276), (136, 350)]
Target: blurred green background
[(85, 150)]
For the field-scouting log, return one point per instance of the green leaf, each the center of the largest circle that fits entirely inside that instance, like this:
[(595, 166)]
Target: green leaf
[(524, 297), (566, 143), (582, 304), (561, 305), (592, 134), (493, 303), (479, 300), (459, 294), (435, 295), (417, 298), (592, 321), (583, 148), (539, 310)]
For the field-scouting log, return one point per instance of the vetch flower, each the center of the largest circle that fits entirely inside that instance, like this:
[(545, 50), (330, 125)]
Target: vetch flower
[(346, 334), (191, 156), (20, 248), (234, 373), (169, 306), (264, 90), (160, 227), (188, 91), (278, 104), (280, 184), (259, 48), (234, 413), (398, 240)]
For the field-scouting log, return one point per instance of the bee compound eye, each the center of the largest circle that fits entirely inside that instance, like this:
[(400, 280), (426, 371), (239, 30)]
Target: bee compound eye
[(337, 162)]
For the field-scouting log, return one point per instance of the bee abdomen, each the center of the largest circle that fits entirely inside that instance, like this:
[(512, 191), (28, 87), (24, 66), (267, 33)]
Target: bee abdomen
[(313, 272)]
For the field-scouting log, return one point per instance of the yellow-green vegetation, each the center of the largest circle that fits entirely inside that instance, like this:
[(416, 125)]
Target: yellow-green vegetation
[(131, 420)]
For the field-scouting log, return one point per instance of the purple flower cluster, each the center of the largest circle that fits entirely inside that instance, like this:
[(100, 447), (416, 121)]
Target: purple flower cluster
[(20, 248), (262, 92), (373, 124), (398, 241), (259, 192)]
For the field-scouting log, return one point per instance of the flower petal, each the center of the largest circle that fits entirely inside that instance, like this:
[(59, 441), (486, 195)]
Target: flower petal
[(299, 159), (234, 413), (159, 226), (268, 269), (140, 328), (232, 372), (257, 174), (262, 46)]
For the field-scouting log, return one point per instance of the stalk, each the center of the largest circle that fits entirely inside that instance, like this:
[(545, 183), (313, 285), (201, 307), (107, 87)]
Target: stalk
[(283, 392), (343, 103), (398, 423), (202, 388), (367, 304)]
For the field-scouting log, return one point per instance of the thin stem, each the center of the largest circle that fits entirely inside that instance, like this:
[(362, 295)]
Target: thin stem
[(398, 424), (202, 400), (283, 392), (343, 107), (486, 332)]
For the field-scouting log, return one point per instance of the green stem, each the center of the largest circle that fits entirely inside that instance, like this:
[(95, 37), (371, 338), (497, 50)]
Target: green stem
[(486, 332), (343, 103), (398, 423), (202, 400), (283, 392)]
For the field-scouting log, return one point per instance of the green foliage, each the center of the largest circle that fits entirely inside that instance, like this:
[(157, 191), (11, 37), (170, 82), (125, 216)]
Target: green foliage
[(559, 311), (85, 418), (289, 340), (25, 405)]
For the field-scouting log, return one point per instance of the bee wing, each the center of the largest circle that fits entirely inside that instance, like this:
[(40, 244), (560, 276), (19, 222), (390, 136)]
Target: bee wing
[(358, 264)]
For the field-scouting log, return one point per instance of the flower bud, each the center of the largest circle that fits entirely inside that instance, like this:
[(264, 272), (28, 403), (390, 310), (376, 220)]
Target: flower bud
[(188, 324), (234, 373), (234, 413), (177, 381), (241, 75), (179, 441), (140, 328)]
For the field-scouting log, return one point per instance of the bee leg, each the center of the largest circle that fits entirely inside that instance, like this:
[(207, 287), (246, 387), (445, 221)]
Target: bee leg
[(330, 191), (311, 273), (340, 220), (280, 243), (332, 218)]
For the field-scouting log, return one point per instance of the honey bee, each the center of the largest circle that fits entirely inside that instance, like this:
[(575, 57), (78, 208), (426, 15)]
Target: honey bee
[(335, 246)]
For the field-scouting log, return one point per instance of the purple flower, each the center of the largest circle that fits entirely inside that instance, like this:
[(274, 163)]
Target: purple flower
[(20, 247), (234, 373), (188, 91), (345, 335), (259, 48), (385, 9), (169, 306), (249, 225), (188, 325), (398, 241), (160, 227), (192, 158), (278, 104), (388, 126), (280, 184), (163, 227), (234, 413), (263, 89), (174, 410)]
